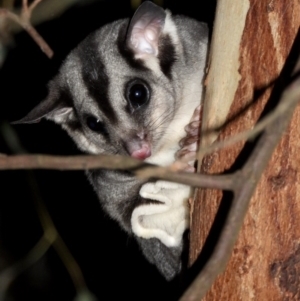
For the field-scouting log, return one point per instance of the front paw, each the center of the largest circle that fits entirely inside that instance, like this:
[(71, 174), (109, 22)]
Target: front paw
[(189, 144), (165, 216)]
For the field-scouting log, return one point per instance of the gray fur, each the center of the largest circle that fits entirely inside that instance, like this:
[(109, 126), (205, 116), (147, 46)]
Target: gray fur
[(92, 82), (167, 260)]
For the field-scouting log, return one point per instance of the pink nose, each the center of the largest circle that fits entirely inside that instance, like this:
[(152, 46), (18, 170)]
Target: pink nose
[(142, 153)]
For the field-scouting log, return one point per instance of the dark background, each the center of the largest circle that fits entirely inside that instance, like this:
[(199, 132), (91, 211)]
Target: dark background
[(112, 264)]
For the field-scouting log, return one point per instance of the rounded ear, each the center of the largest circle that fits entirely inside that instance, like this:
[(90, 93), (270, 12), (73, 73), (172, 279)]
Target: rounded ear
[(56, 107), (145, 29)]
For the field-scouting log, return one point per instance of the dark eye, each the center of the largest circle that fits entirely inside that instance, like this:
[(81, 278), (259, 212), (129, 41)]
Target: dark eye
[(96, 125), (137, 94)]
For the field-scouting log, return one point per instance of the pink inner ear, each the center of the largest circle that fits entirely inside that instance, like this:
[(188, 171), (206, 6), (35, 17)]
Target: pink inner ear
[(145, 35)]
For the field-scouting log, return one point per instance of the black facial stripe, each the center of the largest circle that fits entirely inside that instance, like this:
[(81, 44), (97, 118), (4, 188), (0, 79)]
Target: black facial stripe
[(166, 55), (126, 52), (95, 77)]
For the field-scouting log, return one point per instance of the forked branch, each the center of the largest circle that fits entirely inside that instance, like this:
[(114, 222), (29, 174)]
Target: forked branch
[(23, 19)]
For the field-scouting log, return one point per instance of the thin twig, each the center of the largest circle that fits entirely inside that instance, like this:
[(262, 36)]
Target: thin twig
[(24, 21), (140, 168), (224, 182), (35, 254), (49, 238), (81, 162), (60, 246), (33, 5)]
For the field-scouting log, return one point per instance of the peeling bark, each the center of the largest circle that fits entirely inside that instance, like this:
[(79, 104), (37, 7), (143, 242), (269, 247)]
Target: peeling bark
[(265, 263)]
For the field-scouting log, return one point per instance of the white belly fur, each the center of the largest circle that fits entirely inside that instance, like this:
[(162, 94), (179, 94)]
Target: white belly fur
[(168, 220)]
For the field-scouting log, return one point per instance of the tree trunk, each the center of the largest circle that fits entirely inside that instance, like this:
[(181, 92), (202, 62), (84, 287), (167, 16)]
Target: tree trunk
[(250, 44)]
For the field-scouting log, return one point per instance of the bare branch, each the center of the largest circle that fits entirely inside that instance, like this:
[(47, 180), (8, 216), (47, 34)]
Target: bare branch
[(224, 182), (25, 3), (83, 162), (140, 168), (33, 5), (35, 254), (24, 21), (51, 237)]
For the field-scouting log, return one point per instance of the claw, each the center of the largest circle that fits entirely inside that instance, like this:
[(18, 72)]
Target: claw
[(189, 144)]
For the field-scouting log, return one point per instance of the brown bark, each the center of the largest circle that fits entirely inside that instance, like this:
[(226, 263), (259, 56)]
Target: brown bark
[(265, 264)]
